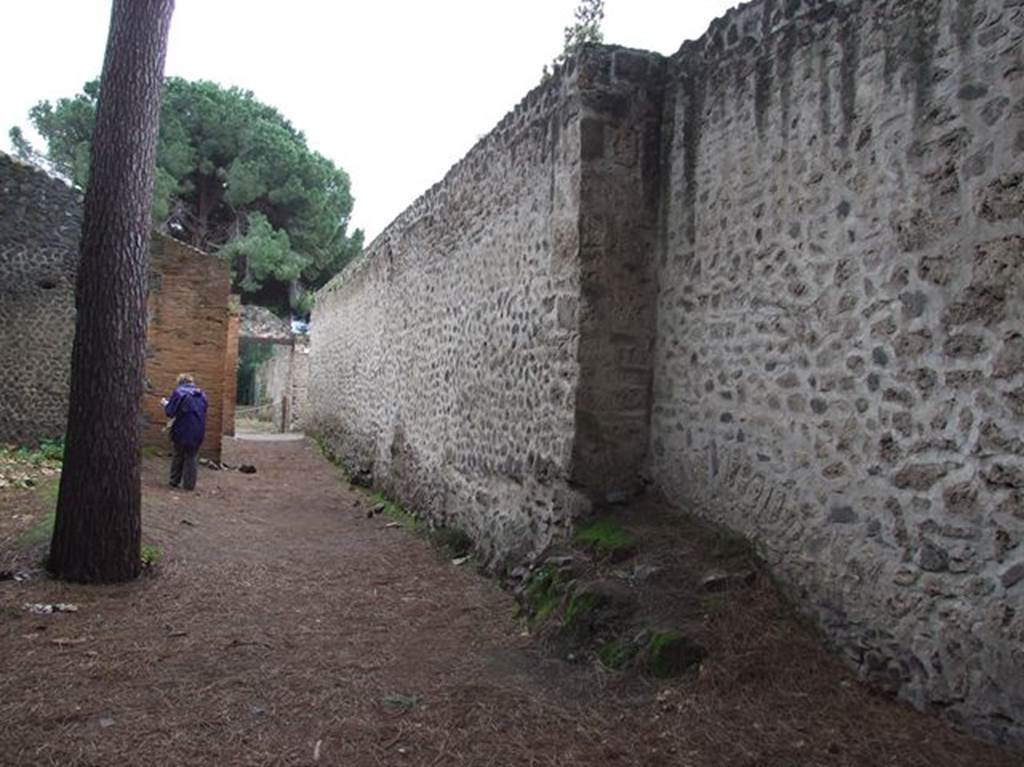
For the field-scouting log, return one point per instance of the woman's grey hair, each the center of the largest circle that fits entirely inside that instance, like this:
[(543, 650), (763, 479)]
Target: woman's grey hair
[(184, 378)]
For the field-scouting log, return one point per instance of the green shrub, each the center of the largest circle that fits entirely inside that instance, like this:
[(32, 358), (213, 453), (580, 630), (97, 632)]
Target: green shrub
[(52, 450), (543, 594), (47, 450), (669, 653), (617, 653)]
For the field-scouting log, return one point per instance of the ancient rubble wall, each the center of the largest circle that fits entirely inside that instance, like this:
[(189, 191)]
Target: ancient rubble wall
[(620, 179), (40, 220), (840, 340), (187, 305), (488, 360), (284, 381), (444, 359), (299, 388), (779, 276)]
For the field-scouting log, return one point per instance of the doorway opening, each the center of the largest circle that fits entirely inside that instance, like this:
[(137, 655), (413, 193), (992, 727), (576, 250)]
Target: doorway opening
[(273, 365)]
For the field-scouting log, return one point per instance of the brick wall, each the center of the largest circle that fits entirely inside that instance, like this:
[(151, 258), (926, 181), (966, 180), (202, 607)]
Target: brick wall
[(188, 329), (231, 367)]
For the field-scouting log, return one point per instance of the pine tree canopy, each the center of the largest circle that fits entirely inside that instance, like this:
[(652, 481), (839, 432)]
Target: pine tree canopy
[(233, 177)]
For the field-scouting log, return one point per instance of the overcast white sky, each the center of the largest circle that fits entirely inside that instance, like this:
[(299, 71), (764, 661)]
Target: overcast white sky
[(393, 91)]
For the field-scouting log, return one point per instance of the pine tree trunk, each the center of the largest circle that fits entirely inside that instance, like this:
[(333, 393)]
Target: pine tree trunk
[(97, 533)]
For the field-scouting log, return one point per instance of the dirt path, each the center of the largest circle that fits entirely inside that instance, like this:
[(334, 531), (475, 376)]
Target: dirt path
[(284, 627)]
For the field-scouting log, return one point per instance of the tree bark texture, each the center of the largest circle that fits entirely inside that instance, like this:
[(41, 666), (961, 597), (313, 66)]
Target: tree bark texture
[(98, 528)]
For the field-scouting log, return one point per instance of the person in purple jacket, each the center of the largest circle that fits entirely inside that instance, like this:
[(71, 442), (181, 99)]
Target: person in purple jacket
[(187, 406)]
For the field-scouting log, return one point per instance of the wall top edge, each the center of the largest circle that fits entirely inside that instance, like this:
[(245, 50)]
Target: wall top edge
[(192, 250), (747, 24), (561, 88), (737, 30), (40, 173)]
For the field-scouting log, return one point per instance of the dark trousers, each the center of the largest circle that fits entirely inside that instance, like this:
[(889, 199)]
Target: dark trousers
[(184, 467)]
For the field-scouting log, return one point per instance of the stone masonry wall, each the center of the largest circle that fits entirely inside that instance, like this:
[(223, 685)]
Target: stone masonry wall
[(444, 359), (779, 275), (840, 358), (40, 220), (620, 145), (284, 379), (298, 410)]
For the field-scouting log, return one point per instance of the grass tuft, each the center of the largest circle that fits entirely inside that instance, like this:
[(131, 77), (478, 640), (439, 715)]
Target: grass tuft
[(42, 530), (579, 608), (543, 594), (39, 533), (150, 555), (396, 512), (47, 450), (669, 654), (608, 539), (616, 653)]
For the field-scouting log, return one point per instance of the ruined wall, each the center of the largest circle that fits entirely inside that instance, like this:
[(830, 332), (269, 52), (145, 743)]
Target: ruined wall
[(488, 361), (840, 358), (40, 219), (444, 359), (620, 144), (187, 331), (805, 230), (284, 381), (298, 410)]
